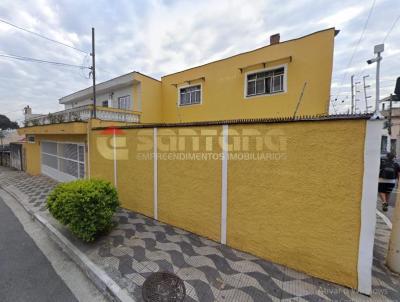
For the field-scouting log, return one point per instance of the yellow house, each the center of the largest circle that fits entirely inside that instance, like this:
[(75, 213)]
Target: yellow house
[(278, 80), (271, 208), (267, 82)]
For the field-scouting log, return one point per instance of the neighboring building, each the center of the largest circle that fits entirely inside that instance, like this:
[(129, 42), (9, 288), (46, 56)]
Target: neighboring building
[(390, 142), (269, 82), (28, 115), (10, 136)]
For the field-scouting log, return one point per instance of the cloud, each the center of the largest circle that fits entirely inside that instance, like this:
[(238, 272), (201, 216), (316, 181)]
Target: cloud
[(159, 37)]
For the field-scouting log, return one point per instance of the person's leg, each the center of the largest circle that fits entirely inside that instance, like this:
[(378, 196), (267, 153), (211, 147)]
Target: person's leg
[(382, 196), (386, 202)]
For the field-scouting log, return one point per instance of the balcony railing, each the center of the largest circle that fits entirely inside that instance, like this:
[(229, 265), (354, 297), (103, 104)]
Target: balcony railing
[(84, 113)]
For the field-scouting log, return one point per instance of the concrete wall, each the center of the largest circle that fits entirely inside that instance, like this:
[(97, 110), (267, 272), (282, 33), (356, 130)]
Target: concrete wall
[(299, 205), (302, 211)]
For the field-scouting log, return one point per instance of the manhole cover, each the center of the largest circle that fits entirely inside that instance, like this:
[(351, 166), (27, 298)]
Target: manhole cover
[(163, 287)]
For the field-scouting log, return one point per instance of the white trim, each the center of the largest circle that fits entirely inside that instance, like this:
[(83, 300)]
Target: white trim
[(285, 76), (56, 174), (186, 86), (224, 182), (368, 204), (63, 142), (65, 158), (115, 158), (384, 218), (155, 175)]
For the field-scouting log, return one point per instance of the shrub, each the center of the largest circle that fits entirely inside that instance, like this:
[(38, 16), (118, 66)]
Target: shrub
[(85, 206)]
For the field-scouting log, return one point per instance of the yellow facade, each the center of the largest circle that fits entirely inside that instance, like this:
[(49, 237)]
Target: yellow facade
[(298, 206), (135, 174), (149, 94), (223, 83), (189, 190), (302, 211)]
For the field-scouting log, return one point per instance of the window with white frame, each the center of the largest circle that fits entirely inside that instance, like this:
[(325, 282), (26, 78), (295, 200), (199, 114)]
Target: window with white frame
[(124, 102), (190, 95), (265, 82)]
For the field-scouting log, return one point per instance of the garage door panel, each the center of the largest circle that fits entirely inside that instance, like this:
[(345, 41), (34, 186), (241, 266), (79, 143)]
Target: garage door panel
[(63, 161)]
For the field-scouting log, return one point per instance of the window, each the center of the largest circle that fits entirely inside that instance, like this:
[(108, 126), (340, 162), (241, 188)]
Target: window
[(124, 102), (265, 82), (190, 95), (30, 139), (104, 103)]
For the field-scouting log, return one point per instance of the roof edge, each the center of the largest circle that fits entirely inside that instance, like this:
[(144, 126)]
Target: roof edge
[(304, 118), (250, 51)]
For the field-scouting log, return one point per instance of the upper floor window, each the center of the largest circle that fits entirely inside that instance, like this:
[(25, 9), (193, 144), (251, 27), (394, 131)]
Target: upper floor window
[(104, 103), (190, 95), (124, 102), (265, 82)]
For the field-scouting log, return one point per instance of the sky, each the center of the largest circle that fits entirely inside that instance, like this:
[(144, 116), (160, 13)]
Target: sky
[(159, 37)]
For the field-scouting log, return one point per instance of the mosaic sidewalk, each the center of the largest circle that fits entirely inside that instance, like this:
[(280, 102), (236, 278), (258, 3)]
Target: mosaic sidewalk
[(139, 246)]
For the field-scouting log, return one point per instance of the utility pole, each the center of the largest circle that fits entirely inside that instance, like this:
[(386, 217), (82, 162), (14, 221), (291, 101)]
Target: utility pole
[(352, 94), (390, 115), (365, 93), (378, 49), (93, 68)]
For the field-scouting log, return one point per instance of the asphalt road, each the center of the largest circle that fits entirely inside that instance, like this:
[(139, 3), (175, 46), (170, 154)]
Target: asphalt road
[(25, 272)]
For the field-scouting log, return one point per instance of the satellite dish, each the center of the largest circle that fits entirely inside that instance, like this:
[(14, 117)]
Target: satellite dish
[(397, 88)]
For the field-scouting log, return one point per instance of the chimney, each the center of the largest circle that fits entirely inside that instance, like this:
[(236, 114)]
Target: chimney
[(274, 39)]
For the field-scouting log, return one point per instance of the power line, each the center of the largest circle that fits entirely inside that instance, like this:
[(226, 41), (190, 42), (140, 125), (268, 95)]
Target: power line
[(391, 28), (359, 41), (41, 61), (42, 36)]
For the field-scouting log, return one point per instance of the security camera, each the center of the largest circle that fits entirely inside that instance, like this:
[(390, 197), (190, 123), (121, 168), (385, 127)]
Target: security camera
[(370, 61)]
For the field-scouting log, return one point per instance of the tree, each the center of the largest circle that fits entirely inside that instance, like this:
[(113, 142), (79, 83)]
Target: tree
[(5, 123)]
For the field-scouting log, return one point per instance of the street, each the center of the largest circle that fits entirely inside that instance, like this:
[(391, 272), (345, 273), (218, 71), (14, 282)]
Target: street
[(27, 274)]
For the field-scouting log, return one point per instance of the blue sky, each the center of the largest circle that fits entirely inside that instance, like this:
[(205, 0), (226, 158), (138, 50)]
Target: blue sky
[(160, 37)]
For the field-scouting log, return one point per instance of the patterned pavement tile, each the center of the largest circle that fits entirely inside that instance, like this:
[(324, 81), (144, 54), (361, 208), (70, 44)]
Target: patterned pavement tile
[(139, 246)]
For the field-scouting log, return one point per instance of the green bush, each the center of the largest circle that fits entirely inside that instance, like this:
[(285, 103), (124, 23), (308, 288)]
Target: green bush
[(85, 206)]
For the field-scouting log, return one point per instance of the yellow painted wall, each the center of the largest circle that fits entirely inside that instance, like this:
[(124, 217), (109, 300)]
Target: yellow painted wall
[(101, 156), (32, 158), (223, 88), (135, 172), (189, 191), (149, 92), (299, 208), (302, 211), (63, 129)]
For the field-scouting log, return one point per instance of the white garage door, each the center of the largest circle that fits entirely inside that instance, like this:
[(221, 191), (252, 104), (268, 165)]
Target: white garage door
[(63, 161)]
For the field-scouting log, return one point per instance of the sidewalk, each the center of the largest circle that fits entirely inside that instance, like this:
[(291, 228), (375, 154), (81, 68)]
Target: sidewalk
[(139, 246)]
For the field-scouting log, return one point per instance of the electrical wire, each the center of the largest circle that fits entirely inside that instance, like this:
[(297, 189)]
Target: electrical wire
[(42, 36), (358, 42), (41, 61), (391, 29)]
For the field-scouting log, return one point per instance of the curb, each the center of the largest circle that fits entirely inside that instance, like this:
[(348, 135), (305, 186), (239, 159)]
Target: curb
[(384, 218), (101, 280)]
